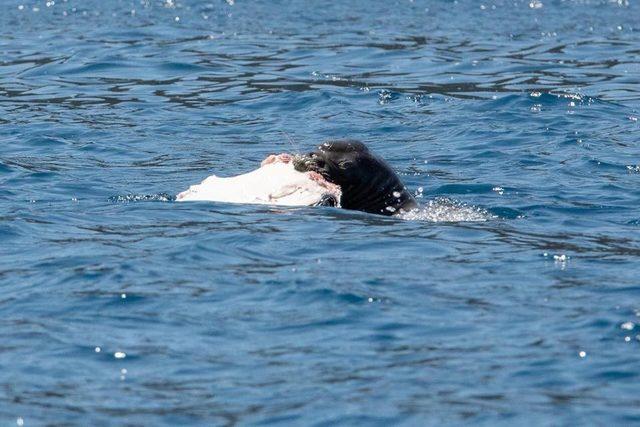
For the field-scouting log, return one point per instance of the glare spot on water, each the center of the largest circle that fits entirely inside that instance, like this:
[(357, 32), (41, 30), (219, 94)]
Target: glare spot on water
[(119, 354), (20, 421), (498, 190), (97, 349), (396, 194), (570, 95), (123, 296), (627, 339), (582, 354), (535, 4), (535, 94), (627, 326), (384, 96), (536, 108), (561, 261), (633, 118)]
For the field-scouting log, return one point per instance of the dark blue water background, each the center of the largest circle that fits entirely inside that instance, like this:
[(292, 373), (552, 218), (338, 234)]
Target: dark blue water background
[(513, 300)]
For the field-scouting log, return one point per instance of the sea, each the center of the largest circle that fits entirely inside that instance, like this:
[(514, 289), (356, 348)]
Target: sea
[(512, 297)]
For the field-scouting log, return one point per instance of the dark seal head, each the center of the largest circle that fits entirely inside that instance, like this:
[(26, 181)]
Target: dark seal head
[(368, 184)]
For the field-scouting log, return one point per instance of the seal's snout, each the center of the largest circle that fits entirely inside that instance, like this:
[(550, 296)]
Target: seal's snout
[(311, 162)]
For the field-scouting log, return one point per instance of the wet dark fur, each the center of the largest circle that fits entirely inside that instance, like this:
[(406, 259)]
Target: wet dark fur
[(368, 184)]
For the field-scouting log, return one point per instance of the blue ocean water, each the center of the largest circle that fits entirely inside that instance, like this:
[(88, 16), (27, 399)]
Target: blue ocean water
[(514, 299)]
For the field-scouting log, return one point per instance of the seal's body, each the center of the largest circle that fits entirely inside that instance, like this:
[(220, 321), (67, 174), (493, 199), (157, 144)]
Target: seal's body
[(368, 184)]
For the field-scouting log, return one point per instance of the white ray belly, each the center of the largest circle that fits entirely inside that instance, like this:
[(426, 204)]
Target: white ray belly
[(274, 183)]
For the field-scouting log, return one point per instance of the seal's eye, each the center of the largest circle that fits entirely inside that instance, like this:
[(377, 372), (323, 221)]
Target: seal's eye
[(345, 164)]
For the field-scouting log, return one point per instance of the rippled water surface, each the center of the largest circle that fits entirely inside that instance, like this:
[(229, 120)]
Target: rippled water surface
[(513, 299)]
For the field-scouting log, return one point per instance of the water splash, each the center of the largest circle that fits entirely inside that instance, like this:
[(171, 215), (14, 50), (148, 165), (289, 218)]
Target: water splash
[(443, 209), (130, 198)]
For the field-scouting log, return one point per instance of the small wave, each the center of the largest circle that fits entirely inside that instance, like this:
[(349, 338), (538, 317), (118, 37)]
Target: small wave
[(129, 198), (446, 210)]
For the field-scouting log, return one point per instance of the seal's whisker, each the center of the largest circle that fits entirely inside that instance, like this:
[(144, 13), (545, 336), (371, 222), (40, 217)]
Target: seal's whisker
[(296, 147)]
